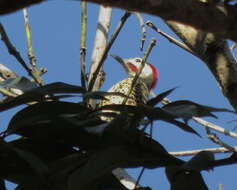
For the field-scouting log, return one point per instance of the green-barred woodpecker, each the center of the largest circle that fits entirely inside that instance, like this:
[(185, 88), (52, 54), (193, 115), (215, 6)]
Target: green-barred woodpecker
[(147, 80)]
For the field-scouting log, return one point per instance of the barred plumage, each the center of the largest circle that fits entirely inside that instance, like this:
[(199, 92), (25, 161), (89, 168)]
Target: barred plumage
[(141, 90)]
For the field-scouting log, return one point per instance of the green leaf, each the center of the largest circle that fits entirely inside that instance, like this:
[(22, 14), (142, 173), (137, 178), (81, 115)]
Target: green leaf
[(39, 93), (21, 83)]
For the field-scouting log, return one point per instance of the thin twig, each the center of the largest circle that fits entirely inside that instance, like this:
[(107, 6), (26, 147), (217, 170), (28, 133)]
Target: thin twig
[(108, 46), (144, 59), (83, 42), (35, 72), (214, 127), (42, 71), (143, 29), (220, 187), (171, 39), (139, 178), (12, 50), (213, 137), (193, 152)]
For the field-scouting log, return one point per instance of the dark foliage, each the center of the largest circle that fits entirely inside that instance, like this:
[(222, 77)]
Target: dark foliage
[(65, 145)]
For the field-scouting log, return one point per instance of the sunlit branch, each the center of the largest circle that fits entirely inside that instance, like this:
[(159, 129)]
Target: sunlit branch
[(108, 46), (83, 43), (143, 29), (34, 72), (170, 38)]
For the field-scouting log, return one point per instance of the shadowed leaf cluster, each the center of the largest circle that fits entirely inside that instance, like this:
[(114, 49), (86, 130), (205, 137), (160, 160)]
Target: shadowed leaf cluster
[(65, 145)]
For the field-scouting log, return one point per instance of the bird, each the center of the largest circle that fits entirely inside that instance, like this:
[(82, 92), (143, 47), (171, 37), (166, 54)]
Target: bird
[(146, 81)]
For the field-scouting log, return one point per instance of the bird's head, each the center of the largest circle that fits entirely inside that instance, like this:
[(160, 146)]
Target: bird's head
[(149, 73)]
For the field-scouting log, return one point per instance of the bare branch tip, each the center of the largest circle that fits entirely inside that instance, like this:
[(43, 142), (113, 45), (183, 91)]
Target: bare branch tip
[(149, 23), (153, 41)]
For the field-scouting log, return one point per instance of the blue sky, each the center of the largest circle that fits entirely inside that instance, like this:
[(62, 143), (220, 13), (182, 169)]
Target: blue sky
[(55, 29)]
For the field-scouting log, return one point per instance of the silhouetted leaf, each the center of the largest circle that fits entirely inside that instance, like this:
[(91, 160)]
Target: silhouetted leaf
[(103, 161), (160, 114), (104, 113), (159, 97), (58, 97), (38, 94), (45, 112), (201, 161), (45, 150), (226, 161), (21, 83), (91, 122), (183, 126), (102, 95), (62, 168), (123, 108), (35, 163), (2, 185), (98, 129), (187, 176), (16, 160), (152, 113), (55, 122), (184, 180), (186, 110)]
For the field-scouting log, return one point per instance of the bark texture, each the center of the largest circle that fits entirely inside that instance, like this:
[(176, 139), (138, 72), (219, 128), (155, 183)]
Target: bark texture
[(204, 15), (215, 53)]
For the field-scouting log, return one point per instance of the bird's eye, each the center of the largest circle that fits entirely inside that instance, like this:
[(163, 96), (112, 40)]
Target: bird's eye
[(138, 60)]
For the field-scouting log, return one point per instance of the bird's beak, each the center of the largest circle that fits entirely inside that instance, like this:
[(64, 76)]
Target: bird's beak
[(121, 61)]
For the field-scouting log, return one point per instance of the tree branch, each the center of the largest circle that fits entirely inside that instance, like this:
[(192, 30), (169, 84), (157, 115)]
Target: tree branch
[(215, 53), (83, 44), (193, 152), (107, 48), (100, 42), (217, 18), (31, 55)]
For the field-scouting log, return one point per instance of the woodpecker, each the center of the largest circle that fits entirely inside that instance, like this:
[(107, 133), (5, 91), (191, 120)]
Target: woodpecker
[(147, 80)]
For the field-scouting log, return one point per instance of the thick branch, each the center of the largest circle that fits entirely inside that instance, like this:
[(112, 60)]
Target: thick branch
[(100, 42), (215, 53), (215, 18), (218, 19)]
